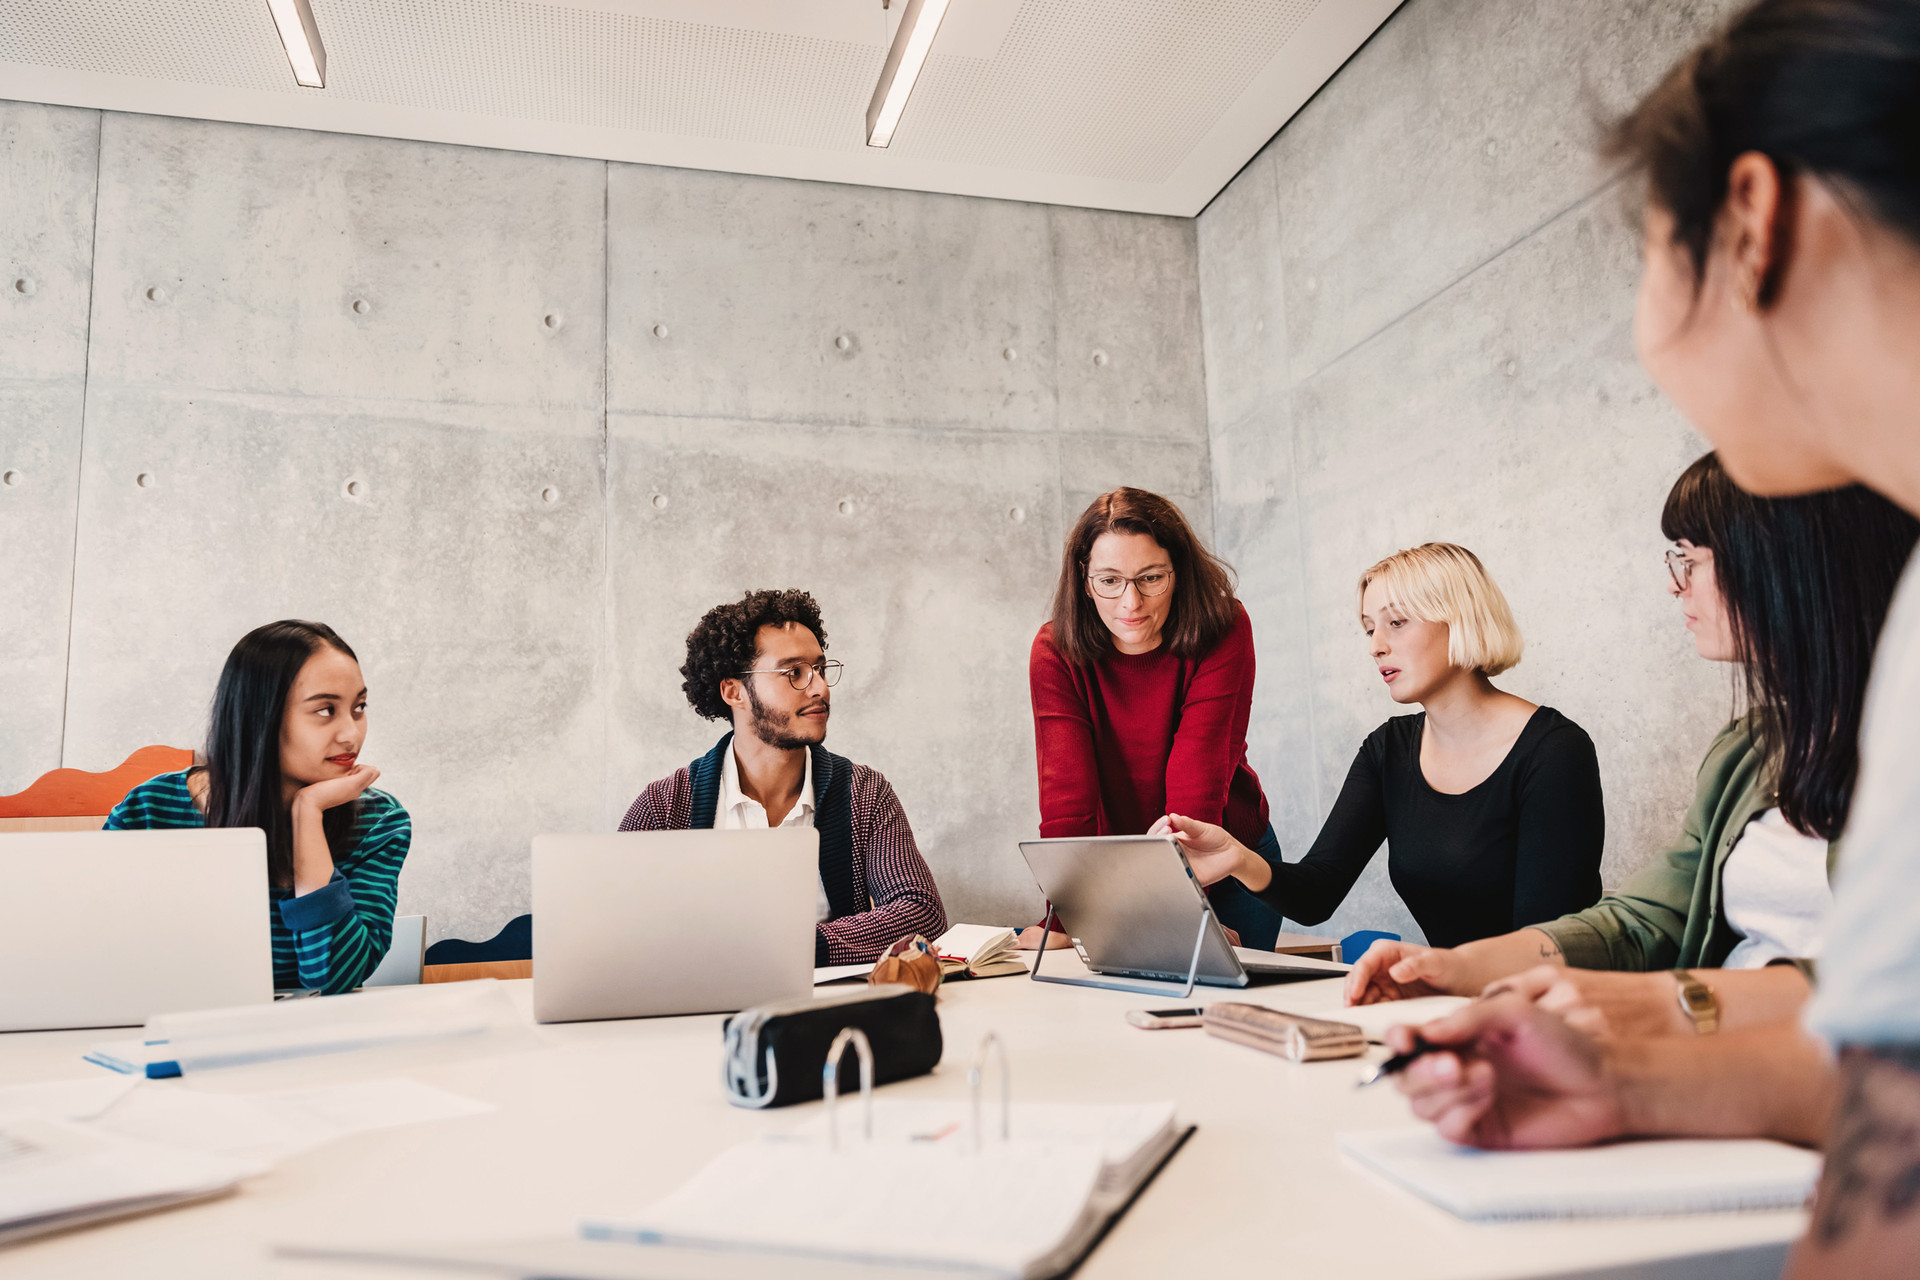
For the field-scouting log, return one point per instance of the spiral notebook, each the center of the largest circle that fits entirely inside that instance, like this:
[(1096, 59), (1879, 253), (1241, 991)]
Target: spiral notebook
[(1618, 1179)]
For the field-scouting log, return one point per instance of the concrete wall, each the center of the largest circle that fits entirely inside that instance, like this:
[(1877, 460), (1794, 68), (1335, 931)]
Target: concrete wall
[(512, 422), (1417, 304)]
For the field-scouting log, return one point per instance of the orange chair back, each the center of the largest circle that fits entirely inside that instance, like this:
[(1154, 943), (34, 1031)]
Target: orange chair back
[(75, 800)]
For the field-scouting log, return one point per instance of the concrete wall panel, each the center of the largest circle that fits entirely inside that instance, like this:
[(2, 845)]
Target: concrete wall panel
[(932, 557), (316, 264), (1456, 131), (48, 159), (1128, 301), (770, 300)]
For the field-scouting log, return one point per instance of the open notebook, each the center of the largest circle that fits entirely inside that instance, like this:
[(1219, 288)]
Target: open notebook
[(978, 951), (919, 1194), (1620, 1179)]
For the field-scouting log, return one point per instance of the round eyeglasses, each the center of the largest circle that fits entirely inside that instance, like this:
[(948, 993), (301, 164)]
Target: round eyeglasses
[(1111, 586), (1679, 568), (801, 674)]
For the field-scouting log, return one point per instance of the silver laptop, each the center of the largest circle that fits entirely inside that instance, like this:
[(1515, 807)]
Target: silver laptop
[(1133, 908), (645, 923), (108, 928)]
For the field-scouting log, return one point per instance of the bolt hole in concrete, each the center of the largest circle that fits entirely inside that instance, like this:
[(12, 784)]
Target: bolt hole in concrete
[(846, 506), (145, 480), (843, 342), (1100, 359), (24, 285), (549, 494), (1512, 368), (1009, 354), (659, 331), (354, 490), (1017, 514), (156, 294), (361, 306), (11, 478), (554, 321), (659, 502)]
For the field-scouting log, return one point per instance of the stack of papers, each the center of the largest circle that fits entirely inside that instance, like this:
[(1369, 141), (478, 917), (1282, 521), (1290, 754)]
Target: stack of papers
[(1666, 1176), (55, 1174), (920, 1193), (978, 951)]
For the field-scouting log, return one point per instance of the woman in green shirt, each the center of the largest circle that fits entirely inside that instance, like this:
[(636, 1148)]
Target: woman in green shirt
[(289, 718), (1794, 590)]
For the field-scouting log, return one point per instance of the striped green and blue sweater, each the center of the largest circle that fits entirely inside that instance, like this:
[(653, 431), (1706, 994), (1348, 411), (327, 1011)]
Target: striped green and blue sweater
[(332, 938)]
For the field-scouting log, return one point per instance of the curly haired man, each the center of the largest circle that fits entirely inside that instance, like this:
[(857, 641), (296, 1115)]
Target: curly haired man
[(760, 663)]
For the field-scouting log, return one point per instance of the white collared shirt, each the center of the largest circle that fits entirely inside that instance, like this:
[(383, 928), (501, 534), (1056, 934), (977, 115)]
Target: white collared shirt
[(738, 811)]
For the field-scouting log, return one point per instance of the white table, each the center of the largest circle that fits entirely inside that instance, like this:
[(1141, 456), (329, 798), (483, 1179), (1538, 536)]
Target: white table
[(613, 1115)]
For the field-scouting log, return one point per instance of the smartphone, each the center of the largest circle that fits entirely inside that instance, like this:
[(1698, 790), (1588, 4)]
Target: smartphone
[(1161, 1019)]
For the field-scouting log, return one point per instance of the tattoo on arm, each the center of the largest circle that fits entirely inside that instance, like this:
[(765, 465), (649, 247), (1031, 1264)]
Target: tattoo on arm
[(1549, 949), (1872, 1175)]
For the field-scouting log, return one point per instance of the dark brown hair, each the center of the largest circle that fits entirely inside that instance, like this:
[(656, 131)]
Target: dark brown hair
[(1829, 88), (244, 779), (1203, 604), (1806, 582)]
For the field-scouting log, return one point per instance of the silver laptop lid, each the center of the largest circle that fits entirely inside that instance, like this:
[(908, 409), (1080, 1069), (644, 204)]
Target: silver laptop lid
[(1132, 905), (108, 928), (645, 923)]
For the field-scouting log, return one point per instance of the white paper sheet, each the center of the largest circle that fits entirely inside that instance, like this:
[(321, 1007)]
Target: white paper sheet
[(272, 1126), (1666, 1176), (81, 1099)]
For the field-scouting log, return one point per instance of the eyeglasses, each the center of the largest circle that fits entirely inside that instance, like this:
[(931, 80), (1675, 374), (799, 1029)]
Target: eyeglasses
[(800, 674), (1111, 586), (1679, 568)]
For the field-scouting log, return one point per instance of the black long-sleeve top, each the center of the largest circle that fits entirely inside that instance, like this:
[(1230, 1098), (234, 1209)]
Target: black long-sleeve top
[(1522, 847)]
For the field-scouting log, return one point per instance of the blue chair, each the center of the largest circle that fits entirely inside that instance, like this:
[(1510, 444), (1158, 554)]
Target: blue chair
[(1355, 945)]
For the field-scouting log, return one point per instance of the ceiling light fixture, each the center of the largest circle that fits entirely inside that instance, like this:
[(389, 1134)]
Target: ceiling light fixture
[(908, 55), (302, 40)]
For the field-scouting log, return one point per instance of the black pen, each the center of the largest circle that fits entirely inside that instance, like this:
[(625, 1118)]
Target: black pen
[(1396, 1064)]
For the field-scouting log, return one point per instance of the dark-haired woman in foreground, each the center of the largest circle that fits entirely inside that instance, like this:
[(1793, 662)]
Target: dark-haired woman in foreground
[(1780, 310), (289, 718), (1142, 686), (1794, 590)]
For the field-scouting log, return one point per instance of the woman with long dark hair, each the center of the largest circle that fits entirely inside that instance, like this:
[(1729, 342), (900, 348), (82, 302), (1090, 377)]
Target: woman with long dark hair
[(282, 754), (1490, 805), (1794, 591), (1142, 687)]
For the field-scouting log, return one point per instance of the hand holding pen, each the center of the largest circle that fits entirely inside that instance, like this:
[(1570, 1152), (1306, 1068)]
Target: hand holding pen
[(1503, 1073)]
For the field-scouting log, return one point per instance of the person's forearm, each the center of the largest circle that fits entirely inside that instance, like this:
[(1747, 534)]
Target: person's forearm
[(1491, 959), (1773, 1082), (1755, 997), (312, 860)]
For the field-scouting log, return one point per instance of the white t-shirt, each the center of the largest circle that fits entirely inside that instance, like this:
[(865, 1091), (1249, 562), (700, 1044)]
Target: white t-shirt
[(1869, 981), (737, 811), (1775, 889)]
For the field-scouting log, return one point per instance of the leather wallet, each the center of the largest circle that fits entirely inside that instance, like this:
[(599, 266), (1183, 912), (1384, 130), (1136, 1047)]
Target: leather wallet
[(1288, 1035), (775, 1053)]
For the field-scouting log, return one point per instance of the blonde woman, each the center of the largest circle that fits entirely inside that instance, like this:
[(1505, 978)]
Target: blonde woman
[(1490, 805)]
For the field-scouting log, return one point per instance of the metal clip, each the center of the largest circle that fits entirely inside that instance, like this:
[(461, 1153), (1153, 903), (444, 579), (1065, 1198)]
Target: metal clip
[(830, 1081), (737, 1073), (990, 1042)]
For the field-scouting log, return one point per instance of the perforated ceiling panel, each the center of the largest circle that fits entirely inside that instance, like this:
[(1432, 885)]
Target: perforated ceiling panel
[(1148, 104)]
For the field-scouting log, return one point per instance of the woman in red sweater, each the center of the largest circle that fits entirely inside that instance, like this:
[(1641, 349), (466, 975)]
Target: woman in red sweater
[(1142, 685)]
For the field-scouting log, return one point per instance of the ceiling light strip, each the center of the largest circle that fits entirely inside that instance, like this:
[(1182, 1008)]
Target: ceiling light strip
[(911, 44), (301, 36)]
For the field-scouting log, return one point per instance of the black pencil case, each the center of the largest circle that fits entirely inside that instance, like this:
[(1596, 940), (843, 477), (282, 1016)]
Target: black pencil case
[(776, 1053)]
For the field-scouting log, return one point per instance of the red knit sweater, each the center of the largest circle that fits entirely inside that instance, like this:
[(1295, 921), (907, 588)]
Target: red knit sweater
[(1138, 735)]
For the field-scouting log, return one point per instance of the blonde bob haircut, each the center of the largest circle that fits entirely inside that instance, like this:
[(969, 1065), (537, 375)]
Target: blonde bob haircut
[(1441, 582)]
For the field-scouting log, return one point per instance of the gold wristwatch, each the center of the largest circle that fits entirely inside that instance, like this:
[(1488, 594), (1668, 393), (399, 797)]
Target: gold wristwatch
[(1697, 1002)]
